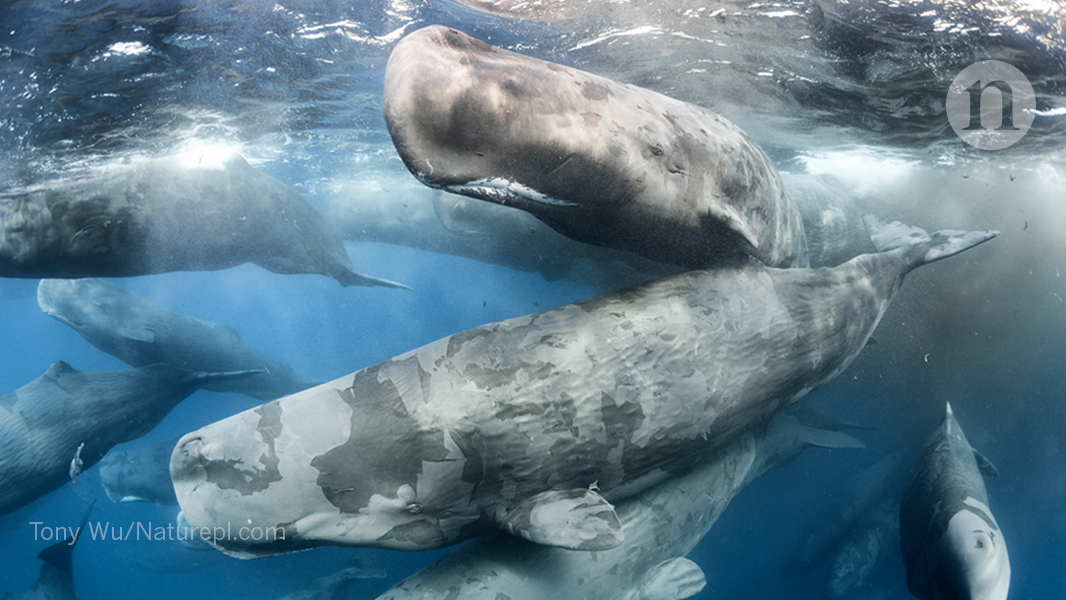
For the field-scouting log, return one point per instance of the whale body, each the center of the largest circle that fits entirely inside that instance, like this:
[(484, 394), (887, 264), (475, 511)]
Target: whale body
[(176, 213), (140, 332), (952, 546), (535, 424), (64, 421), (139, 474), (600, 161), (662, 525)]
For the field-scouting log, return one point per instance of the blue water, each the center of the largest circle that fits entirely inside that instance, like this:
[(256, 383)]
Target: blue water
[(849, 89)]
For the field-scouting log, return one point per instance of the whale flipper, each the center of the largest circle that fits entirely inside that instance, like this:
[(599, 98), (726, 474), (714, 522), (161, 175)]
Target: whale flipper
[(59, 554), (826, 438), (672, 580), (578, 519), (984, 465)]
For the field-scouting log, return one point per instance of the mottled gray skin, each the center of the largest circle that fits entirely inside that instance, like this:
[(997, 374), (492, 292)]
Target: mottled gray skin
[(168, 214), (832, 218), (662, 525), (494, 427), (436, 221), (335, 586), (140, 332), (952, 546), (55, 581), (410, 214), (140, 474), (599, 161), (43, 423)]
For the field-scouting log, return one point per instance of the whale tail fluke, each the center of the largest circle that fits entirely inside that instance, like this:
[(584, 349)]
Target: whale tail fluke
[(926, 247), (59, 554)]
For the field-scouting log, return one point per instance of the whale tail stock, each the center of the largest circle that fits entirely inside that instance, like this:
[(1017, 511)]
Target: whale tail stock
[(924, 247)]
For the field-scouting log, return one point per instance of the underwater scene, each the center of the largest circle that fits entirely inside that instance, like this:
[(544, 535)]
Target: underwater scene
[(506, 299)]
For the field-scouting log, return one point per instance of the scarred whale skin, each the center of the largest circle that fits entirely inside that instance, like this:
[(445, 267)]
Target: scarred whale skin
[(139, 474), (141, 332), (44, 423), (662, 525), (599, 161), (534, 424), (952, 546), (176, 213)]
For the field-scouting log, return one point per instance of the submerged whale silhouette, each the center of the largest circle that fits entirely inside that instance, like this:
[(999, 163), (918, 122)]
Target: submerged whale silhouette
[(177, 213)]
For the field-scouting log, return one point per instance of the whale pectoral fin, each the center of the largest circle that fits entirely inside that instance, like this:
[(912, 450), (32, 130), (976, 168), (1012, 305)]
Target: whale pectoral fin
[(825, 438), (984, 465), (137, 333), (578, 519), (735, 222), (671, 580)]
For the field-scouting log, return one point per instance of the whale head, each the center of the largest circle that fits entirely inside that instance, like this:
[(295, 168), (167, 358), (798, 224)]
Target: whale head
[(599, 161), (319, 467)]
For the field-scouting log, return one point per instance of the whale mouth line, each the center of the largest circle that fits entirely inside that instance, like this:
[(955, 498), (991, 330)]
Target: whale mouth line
[(500, 190), (64, 320)]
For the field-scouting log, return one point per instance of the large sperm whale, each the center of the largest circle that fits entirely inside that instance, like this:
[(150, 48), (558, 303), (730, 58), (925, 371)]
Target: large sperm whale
[(535, 425), (597, 160)]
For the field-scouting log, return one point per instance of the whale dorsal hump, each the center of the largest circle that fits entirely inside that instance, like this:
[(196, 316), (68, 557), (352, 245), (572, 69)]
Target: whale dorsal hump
[(671, 580), (578, 519)]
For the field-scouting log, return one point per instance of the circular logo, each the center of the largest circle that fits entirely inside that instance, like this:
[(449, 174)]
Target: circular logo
[(991, 105)]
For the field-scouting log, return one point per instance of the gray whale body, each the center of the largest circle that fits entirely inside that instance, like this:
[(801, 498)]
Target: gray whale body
[(140, 332), (68, 417), (535, 424), (662, 525), (178, 213), (602, 162)]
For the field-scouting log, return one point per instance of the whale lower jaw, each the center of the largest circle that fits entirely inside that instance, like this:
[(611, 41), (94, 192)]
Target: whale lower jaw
[(506, 192)]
